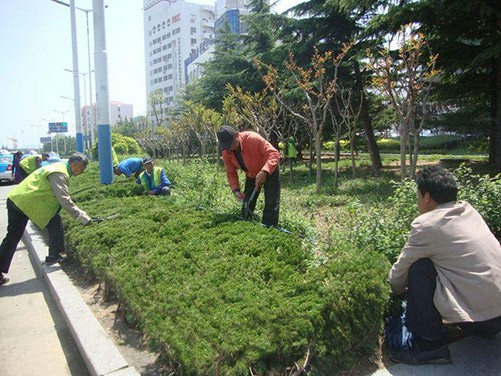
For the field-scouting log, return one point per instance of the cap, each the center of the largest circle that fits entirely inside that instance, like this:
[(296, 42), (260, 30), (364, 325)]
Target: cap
[(147, 160), (225, 136)]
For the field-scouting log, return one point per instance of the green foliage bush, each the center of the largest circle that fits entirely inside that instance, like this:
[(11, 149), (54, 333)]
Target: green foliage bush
[(123, 145), (216, 295), (384, 227)]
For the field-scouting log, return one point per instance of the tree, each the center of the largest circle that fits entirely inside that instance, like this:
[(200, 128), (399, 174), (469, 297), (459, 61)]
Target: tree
[(125, 127), (316, 87), (203, 122), (156, 102), (406, 78), (466, 36), (328, 25)]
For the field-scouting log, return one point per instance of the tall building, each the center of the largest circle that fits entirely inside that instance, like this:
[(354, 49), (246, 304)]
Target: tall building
[(118, 111), (173, 30), (229, 12)]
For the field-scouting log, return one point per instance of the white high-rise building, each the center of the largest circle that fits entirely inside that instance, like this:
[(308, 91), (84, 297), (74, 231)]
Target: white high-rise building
[(173, 30)]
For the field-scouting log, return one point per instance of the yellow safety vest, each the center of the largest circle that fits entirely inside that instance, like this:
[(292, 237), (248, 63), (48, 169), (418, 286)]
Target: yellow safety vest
[(34, 195), (155, 178), (29, 164)]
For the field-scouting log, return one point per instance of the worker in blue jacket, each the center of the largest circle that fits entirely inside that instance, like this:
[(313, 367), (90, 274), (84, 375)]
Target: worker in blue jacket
[(153, 179), (129, 166)]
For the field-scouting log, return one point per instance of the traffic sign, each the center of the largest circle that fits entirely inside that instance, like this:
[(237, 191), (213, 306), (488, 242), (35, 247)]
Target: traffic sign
[(58, 127), (45, 140)]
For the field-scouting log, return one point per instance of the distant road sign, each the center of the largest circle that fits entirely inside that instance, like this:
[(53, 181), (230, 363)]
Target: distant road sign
[(45, 140), (58, 127)]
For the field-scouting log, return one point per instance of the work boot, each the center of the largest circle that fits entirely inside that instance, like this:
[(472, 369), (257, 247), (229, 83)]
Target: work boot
[(414, 355)]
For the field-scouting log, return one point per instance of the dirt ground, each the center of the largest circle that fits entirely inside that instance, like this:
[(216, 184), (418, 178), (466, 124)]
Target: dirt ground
[(130, 342)]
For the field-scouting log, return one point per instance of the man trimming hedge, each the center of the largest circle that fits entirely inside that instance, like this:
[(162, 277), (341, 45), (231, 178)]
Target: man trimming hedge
[(259, 160), (40, 197)]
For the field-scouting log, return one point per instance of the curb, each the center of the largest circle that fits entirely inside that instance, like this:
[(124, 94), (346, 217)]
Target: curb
[(95, 345)]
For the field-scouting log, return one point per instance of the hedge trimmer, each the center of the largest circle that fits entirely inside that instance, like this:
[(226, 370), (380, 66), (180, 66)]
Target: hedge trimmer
[(102, 219)]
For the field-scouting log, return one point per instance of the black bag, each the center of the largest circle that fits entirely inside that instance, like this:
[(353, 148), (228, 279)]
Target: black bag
[(396, 334)]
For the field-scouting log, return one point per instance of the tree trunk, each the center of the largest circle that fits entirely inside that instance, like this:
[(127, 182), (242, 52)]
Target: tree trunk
[(404, 133), (318, 151), (336, 161), (367, 124)]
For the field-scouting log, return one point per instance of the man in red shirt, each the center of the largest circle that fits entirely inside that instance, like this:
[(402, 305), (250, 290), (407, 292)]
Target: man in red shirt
[(259, 160)]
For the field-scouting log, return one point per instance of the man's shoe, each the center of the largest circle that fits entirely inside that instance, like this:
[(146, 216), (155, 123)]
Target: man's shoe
[(50, 260), (414, 355), (3, 280)]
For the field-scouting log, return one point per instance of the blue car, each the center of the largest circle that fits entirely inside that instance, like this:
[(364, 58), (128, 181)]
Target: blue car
[(6, 167)]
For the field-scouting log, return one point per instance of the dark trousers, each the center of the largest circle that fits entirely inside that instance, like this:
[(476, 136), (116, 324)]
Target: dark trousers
[(271, 197), (422, 317), (17, 222)]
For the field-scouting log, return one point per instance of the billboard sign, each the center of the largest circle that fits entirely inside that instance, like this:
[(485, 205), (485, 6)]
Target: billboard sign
[(58, 127)]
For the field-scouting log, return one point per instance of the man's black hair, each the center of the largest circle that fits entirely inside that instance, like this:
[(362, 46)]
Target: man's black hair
[(438, 182)]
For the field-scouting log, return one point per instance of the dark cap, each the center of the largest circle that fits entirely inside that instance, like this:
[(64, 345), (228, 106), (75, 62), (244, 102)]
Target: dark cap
[(147, 160), (225, 136)]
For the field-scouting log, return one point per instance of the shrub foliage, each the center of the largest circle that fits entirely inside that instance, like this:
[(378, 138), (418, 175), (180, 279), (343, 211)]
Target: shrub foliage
[(216, 295)]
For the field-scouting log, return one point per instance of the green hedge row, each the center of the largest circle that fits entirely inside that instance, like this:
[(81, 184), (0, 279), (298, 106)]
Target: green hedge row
[(216, 295)]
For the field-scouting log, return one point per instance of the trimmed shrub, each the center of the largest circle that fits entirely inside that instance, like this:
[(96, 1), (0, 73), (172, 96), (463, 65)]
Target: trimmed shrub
[(216, 295)]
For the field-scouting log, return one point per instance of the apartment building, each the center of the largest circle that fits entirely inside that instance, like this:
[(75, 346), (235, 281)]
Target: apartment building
[(173, 30)]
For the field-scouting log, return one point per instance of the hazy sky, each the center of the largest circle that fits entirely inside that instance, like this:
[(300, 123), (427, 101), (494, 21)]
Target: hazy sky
[(35, 45)]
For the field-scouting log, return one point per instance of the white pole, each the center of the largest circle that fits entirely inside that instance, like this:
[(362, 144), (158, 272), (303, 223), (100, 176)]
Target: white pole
[(93, 115), (76, 78), (103, 102)]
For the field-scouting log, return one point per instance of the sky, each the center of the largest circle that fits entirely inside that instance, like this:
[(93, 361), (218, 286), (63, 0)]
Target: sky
[(36, 48)]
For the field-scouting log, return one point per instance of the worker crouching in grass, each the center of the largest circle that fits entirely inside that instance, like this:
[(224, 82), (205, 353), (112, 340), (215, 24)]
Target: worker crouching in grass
[(40, 198), (153, 179)]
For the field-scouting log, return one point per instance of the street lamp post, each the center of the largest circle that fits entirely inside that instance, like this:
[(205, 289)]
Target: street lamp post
[(93, 115), (38, 132), (64, 139), (88, 124), (76, 79), (103, 102), (51, 141)]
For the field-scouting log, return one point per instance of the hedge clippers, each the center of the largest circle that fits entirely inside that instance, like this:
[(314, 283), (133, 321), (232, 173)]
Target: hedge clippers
[(102, 219), (247, 212)]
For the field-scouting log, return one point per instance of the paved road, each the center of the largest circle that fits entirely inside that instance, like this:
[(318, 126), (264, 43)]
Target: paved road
[(34, 339)]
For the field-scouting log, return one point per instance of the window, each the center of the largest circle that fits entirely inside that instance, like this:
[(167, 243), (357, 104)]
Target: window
[(193, 30), (193, 41)]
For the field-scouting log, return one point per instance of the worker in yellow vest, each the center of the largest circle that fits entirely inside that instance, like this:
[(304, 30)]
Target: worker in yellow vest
[(31, 163), (40, 198), (153, 179)]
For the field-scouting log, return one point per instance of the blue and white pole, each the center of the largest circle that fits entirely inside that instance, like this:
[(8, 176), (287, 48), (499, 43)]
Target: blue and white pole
[(103, 102)]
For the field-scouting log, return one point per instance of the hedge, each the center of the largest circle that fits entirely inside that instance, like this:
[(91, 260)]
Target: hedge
[(216, 295)]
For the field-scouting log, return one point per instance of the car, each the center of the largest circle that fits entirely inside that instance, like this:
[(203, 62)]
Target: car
[(6, 168)]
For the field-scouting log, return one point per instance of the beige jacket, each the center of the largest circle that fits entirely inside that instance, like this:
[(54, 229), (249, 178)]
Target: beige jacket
[(467, 257)]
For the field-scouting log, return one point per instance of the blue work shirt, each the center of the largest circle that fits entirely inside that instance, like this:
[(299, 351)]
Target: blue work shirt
[(130, 166)]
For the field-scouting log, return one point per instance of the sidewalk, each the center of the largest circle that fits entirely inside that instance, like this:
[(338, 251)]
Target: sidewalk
[(45, 326)]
